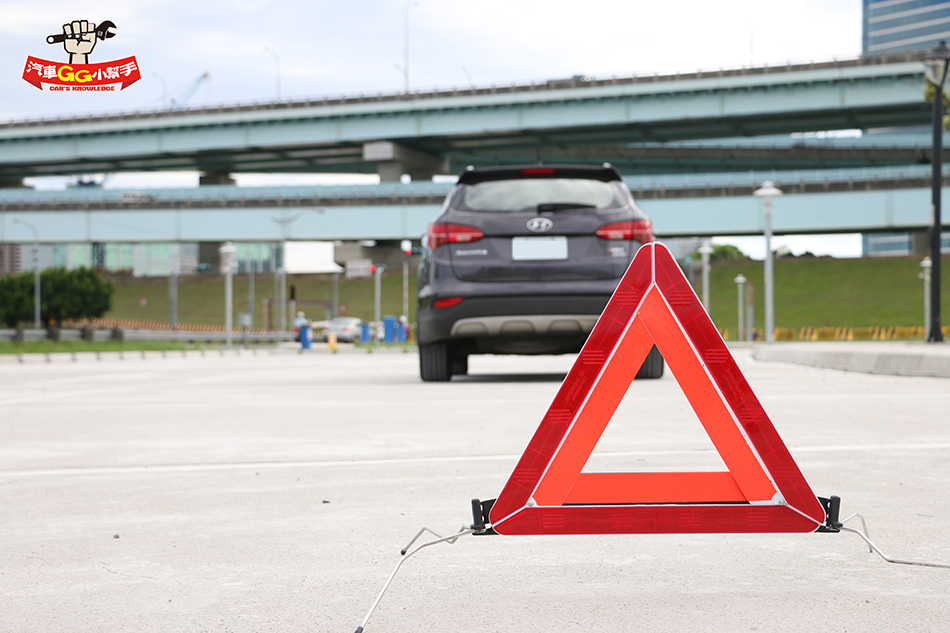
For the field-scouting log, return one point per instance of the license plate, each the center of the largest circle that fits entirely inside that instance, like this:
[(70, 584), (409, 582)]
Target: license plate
[(548, 247)]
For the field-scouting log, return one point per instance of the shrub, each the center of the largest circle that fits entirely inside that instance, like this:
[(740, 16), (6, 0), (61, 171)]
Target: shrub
[(73, 294), (16, 298)]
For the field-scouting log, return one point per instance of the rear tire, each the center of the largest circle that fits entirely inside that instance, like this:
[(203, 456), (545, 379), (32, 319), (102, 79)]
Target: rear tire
[(434, 364), (652, 367)]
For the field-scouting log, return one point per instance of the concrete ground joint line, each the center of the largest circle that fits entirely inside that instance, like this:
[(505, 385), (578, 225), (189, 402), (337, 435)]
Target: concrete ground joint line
[(162, 468), (387, 461)]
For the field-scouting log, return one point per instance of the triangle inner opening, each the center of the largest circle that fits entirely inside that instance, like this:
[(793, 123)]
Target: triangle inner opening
[(567, 482), (654, 430)]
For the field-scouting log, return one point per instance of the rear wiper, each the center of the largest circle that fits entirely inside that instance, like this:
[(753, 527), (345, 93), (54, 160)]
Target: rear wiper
[(563, 206)]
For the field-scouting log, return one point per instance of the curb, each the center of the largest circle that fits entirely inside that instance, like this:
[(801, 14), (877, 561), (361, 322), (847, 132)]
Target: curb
[(895, 360), (72, 357)]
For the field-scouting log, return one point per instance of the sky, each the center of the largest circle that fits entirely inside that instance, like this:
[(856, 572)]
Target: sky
[(255, 51)]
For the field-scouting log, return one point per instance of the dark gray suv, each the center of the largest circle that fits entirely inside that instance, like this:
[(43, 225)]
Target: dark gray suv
[(522, 260)]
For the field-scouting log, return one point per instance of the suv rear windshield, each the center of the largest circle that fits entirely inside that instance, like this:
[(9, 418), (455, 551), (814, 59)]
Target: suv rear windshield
[(538, 194)]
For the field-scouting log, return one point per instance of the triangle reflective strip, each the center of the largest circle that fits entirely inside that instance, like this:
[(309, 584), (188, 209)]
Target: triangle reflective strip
[(548, 493)]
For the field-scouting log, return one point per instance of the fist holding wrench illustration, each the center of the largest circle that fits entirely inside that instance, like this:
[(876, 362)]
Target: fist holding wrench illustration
[(80, 39)]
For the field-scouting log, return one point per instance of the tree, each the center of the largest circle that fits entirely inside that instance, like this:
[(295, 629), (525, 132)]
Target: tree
[(929, 92), (723, 252), (74, 294), (16, 298)]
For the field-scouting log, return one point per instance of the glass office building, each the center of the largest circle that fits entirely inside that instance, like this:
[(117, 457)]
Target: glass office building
[(898, 26)]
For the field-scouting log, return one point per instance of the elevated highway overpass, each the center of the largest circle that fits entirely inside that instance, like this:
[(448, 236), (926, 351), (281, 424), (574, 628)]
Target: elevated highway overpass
[(817, 201), (641, 124)]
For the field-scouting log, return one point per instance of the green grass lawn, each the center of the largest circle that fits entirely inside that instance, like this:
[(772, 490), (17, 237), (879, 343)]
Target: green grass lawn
[(823, 292), (201, 298), (809, 292)]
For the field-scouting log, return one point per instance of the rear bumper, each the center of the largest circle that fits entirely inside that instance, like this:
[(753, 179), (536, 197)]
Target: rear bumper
[(526, 325), (529, 318)]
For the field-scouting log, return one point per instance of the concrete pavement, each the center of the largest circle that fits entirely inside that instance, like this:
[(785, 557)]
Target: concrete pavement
[(274, 492)]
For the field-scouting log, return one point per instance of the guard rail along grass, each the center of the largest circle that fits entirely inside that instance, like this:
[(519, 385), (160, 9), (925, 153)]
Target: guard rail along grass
[(875, 333)]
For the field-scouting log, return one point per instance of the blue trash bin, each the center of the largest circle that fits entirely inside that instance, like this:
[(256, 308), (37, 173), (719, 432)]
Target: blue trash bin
[(306, 336), (389, 330), (364, 333)]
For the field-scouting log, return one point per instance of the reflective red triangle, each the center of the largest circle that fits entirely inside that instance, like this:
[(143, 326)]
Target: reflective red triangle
[(763, 490)]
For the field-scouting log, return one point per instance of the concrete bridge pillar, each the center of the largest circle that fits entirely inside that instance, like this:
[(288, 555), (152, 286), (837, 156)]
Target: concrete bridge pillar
[(393, 160), (215, 178), (920, 243)]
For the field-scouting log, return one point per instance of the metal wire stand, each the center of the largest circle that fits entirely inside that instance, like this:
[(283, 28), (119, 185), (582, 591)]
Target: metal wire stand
[(441, 539), (874, 548)]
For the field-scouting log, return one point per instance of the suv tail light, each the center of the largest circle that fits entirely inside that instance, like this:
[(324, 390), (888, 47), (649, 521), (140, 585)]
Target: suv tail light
[(439, 234), (640, 230), (449, 302)]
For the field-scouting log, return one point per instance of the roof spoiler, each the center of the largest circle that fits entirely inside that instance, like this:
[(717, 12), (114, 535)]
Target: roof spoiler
[(604, 173)]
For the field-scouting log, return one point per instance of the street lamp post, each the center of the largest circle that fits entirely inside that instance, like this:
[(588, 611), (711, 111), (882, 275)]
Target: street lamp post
[(406, 247), (378, 271), (164, 89), (740, 285), (280, 276), (36, 270), (252, 267), (768, 191), (227, 253), (405, 43), (173, 286), (925, 275), (281, 272), (705, 251), (936, 65), (276, 61)]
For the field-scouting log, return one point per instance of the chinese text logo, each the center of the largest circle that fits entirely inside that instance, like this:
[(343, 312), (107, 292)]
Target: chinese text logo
[(79, 38)]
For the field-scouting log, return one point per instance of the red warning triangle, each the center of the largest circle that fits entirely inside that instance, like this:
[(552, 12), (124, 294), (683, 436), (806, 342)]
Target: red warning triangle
[(763, 489)]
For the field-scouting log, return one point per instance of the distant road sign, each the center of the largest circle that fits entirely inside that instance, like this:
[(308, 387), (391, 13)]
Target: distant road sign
[(356, 268)]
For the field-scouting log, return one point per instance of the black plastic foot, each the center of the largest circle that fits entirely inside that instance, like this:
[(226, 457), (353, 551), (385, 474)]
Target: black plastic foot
[(480, 520), (832, 507)]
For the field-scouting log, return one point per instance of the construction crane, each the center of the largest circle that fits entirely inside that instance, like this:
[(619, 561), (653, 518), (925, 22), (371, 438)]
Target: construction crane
[(189, 92)]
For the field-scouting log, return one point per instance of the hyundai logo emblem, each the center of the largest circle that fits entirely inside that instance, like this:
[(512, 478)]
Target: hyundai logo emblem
[(539, 225)]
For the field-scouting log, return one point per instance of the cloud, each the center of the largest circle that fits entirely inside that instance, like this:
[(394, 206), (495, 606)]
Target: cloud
[(332, 48)]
